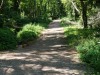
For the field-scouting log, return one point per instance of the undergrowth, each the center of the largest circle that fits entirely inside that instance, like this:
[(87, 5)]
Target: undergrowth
[(86, 42)]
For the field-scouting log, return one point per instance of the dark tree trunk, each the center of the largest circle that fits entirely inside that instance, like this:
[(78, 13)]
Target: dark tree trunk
[(1, 21), (76, 14), (16, 5), (84, 13)]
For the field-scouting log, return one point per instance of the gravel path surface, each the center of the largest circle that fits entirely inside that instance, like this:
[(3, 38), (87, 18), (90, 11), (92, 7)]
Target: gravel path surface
[(48, 56)]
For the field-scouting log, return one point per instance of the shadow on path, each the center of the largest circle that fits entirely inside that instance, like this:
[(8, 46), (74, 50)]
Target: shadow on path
[(48, 56)]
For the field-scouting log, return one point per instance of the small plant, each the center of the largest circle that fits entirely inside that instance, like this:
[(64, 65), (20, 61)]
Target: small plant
[(8, 39), (29, 32)]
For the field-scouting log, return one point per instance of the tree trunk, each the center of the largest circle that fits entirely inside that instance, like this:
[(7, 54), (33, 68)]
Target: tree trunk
[(84, 13), (1, 21), (76, 14), (16, 5)]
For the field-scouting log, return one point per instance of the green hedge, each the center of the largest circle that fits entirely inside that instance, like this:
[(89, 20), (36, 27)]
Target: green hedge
[(8, 39), (29, 32)]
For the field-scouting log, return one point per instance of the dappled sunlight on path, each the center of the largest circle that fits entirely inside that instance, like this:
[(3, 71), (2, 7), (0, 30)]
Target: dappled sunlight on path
[(48, 56)]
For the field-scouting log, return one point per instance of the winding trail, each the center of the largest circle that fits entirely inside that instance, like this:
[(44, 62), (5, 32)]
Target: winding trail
[(48, 56)]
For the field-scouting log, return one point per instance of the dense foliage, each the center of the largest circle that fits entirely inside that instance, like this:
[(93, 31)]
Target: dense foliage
[(90, 52), (18, 12), (8, 39), (82, 9)]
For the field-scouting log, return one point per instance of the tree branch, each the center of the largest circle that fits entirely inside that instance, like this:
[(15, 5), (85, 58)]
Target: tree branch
[(1, 4), (74, 5)]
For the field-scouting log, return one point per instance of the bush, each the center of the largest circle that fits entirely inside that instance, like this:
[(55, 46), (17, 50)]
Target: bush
[(90, 52), (7, 39), (29, 32)]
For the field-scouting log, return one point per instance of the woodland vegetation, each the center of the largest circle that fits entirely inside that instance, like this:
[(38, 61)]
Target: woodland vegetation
[(23, 20), (82, 30)]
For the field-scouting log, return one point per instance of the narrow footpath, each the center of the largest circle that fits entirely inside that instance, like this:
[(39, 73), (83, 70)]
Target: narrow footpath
[(48, 56)]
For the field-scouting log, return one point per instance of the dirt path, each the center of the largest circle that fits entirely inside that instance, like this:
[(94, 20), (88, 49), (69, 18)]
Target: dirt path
[(48, 56)]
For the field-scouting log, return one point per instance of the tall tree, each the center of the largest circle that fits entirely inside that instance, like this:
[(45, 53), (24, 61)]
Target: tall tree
[(84, 13)]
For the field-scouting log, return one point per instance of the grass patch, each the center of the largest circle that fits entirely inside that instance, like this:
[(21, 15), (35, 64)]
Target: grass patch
[(76, 35)]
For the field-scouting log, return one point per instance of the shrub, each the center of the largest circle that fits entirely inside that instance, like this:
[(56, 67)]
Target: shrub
[(90, 52), (29, 32), (7, 39)]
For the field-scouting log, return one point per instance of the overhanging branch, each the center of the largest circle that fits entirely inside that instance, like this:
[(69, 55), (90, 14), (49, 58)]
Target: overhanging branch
[(74, 5)]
